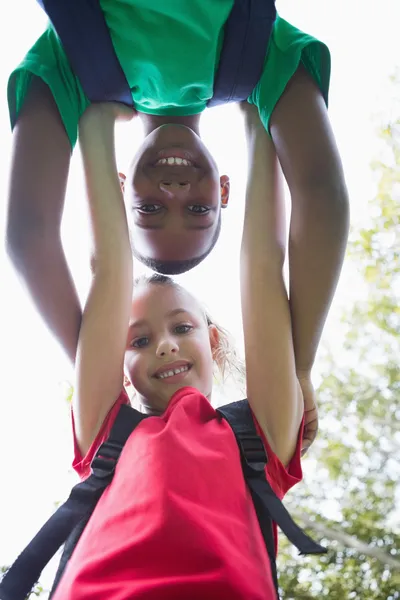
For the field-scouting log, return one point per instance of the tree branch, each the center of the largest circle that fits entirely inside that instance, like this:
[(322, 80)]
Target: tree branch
[(349, 541)]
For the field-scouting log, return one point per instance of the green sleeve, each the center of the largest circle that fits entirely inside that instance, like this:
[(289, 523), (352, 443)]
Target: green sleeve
[(47, 60), (288, 48)]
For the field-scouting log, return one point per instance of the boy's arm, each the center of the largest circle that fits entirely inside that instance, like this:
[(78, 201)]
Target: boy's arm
[(319, 223), (103, 332), (317, 238), (38, 178)]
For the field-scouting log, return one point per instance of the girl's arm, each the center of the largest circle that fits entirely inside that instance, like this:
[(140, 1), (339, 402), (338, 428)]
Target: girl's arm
[(103, 332), (272, 386)]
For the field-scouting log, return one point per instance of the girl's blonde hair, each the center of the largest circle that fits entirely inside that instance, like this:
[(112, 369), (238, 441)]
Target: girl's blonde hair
[(226, 358)]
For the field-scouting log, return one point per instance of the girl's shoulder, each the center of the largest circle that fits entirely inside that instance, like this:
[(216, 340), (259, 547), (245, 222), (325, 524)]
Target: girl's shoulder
[(81, 464)]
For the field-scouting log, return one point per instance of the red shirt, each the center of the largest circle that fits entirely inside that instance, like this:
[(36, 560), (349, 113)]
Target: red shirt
[(177, 522)]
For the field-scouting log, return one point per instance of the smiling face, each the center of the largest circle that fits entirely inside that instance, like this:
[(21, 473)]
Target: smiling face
[(169, 345), (174, 196)]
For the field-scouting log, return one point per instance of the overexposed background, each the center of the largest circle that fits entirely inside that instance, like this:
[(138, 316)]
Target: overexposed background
[(35, 442)]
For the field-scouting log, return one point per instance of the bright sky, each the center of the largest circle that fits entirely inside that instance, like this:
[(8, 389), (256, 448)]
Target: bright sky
[(34, 421)]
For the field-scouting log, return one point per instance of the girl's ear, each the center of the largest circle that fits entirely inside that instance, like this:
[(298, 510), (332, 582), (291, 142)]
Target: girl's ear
[(122, 179), (214, 339)]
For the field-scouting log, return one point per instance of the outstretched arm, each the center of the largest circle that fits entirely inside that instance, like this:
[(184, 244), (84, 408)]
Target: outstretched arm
[(272, 387), (319, 222), (103, 332), (39, 171)]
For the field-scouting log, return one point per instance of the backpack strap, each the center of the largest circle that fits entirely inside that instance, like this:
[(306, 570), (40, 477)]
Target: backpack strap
[(246, 37), (25, 572), (83, 31), (266, 503)]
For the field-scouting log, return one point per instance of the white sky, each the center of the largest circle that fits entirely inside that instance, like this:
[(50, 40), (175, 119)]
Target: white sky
[(34, 421)]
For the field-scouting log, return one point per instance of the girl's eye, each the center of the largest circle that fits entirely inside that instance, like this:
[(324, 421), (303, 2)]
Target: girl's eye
[(198, 209), (149, 209), (140, 342), (183, 328)]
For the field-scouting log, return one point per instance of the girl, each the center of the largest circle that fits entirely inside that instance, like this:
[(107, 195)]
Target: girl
[(177, 520)]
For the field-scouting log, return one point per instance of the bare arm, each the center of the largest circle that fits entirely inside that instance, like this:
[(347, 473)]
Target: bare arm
[(103, 333), (319, 223), (39, 171), (272, 387)]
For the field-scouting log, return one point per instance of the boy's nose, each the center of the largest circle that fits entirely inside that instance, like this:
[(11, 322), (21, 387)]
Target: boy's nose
[(175, 188)]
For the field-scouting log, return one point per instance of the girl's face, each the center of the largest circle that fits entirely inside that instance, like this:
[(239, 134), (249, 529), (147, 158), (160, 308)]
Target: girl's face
[(168, 333)]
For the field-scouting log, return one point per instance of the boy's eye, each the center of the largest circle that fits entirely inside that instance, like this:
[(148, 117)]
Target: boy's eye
[(140, 342), (183, 328), (198, 209), (149, 209)]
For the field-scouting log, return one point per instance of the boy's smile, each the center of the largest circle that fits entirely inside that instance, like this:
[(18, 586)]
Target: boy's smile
[(174, 194)]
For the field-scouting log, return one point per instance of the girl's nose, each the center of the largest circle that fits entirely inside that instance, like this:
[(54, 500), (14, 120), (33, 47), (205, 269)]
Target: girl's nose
[(167, 347)]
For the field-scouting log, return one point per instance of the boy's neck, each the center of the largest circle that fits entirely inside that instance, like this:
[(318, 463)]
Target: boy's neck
[(151, 122)]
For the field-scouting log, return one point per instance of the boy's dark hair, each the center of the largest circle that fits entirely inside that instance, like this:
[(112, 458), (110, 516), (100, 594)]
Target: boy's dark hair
[(176, 267)]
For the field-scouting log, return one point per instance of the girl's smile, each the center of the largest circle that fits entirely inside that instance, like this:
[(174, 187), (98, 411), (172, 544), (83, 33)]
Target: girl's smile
[(170, 345)]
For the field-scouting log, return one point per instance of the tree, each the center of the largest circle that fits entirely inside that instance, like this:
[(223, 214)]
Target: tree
[(350, 501)]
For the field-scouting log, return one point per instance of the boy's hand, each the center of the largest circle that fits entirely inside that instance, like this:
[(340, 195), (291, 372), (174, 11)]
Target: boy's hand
[(310, 412)]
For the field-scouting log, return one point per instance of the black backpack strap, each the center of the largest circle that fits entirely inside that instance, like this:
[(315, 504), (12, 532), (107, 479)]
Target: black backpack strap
[(266, 503), (246, 37), (68, 549), (25, 572), (83, 31)]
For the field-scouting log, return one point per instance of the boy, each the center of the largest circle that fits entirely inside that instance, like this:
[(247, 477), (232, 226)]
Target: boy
[(176, 207)]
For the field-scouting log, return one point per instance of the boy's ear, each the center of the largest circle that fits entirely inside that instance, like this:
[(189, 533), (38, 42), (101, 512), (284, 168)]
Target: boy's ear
[(122, 179), (225, 188)]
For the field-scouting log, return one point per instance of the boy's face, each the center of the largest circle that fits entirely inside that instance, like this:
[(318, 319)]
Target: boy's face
[(174, 195)]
